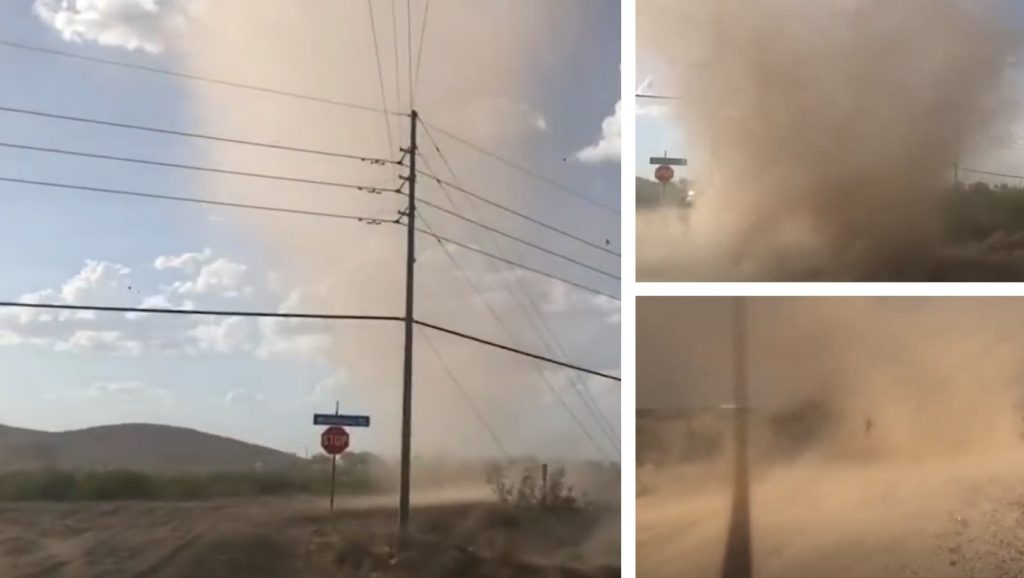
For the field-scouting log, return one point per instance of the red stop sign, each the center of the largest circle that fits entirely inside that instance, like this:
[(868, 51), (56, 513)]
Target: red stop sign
[(664, 173), (334, 440)]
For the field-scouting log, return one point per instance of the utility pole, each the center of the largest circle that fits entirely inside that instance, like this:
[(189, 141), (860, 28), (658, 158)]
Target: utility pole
[(738, 561), (410, 270)]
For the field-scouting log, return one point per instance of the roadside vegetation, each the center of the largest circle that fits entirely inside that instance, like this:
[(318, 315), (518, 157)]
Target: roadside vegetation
[(357, 474)]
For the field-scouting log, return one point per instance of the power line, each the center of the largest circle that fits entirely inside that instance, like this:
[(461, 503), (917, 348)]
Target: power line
[(380, 76), (658, 97), (519, 214), (516, 264), (187, 76), (457, 215), (451, 171), (408, 47), (134, 160), (518, 351), (423, 34), (359, 218), (581, 391), (199, 312), (103, 190), (394, 40), (540, 373), (194, 135), (543, 377), (284, 315), (524, 169), (991, 174), (465, 395), (525, 242)]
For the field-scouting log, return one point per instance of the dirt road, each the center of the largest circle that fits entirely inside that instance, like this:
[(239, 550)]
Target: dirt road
[(843, 520), (294, 538)]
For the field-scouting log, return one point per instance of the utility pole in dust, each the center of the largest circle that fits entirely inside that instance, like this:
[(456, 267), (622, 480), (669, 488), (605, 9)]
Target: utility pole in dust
[(738, 561), (410, 271)]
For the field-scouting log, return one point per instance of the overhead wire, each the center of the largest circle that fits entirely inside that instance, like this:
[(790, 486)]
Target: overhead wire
[(380, 76), (100, 122), (519, 214), (134, 160), (580, 389), (286, 315), (454, 380), (423, 34), (109, 191), (516, 264), (508, 330), (187, 76), (526, 170), (408, 47), (512, 237)]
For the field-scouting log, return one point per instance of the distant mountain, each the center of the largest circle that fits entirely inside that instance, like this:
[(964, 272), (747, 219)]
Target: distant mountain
[(649, 194), (144, 447)]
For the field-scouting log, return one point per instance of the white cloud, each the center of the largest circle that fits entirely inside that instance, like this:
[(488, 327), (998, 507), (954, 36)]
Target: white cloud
[(223, 277), (108, 342), (128, 390), (147, 25), (187, 261), (300, 338), (97, 280), (241, 395), (609, 147), (231, 335)]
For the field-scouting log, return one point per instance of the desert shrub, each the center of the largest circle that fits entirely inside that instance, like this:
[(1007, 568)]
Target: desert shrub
[(115, 485), (529, 490), (53, 485), (44, 485)]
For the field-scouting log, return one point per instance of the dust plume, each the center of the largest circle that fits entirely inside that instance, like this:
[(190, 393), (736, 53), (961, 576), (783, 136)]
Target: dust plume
[(483, 65), (823, 133), (877, 425)]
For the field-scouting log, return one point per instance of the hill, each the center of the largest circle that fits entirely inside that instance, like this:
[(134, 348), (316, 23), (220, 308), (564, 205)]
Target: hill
[(142, 447)]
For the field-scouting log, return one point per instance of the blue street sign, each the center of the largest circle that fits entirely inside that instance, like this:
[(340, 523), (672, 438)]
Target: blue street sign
[(342, 420), (670, 161)]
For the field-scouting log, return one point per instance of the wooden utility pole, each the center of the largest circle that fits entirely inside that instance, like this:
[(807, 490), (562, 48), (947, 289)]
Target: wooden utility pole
[(410, 270), (738, 561)]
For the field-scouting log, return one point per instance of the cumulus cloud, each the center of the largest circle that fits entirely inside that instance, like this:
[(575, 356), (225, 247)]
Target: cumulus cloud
[(609, 147), (242, 395), (147, 25), (122, 389), (186, 261), (646, 107), (107, 342), (499, 118), (228, 336), (222, 277), (301, 338), (97, 280)]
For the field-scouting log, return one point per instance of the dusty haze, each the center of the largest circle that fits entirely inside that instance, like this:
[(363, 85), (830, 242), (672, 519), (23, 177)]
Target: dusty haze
[(940, 380), (483, 66), (823, 132)]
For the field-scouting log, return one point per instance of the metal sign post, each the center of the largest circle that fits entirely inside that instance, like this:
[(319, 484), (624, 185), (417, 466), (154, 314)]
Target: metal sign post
[(335, 440), (664, 172)]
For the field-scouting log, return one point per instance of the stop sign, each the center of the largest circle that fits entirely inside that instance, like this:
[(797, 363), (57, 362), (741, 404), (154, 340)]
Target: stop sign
[(334, 440), (664, 173)]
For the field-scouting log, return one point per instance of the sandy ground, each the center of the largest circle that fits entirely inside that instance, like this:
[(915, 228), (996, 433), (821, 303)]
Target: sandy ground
[(668, 251), (842, 520), (271, 538)]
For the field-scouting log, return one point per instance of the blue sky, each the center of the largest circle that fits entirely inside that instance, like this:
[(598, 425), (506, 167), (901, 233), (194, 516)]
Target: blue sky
[(256, 382)]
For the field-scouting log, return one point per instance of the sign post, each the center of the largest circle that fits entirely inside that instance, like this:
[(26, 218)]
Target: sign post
[(334, 440), (664, 173)]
